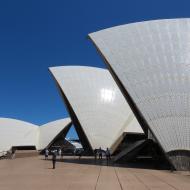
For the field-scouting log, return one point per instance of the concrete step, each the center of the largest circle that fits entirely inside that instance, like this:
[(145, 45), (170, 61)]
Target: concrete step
[(25, 153), (132, 150)]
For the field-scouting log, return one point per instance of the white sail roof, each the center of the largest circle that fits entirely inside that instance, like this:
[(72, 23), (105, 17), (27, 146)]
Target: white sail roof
[(151, 60), (97, 102)]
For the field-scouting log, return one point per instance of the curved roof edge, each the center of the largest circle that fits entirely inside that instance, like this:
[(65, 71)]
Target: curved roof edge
[(17, 120), (54, 68), (90, 35), (67, 119)]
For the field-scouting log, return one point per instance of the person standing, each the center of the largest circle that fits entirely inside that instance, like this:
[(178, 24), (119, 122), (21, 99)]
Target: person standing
[(95, 154), (100, 153), (54, 159), (108, 156), (46, 153)]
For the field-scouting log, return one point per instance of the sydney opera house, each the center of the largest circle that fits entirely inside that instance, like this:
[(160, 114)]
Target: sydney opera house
[(150, 63), (141, 100), (23, 135), (96, 105)]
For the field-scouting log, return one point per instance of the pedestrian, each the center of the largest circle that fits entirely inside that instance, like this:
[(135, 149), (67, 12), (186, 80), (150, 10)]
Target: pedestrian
[(100, 153), (95, 154), (46, 153), (60, 152), (54, 159), (80, 154), (108, 156)]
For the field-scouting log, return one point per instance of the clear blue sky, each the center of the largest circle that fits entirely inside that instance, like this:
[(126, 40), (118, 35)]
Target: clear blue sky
[(37, 34)]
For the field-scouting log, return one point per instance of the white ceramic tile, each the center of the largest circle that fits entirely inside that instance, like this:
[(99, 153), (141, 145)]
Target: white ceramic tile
[(152, 60), (97, 102)]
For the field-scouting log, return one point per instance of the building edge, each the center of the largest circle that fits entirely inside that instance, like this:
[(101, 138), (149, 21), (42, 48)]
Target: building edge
[(82, 136)]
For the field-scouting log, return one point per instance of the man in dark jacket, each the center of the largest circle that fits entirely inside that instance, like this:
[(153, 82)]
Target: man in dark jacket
[(54, 159), (108, 156)]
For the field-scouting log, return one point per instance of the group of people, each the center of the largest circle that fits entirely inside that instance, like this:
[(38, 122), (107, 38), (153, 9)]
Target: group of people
[(99, 153), (58, 152), (55, 153)]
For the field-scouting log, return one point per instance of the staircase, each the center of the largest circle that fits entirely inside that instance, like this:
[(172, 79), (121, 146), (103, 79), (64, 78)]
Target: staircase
[(131, 151), (25, 153)]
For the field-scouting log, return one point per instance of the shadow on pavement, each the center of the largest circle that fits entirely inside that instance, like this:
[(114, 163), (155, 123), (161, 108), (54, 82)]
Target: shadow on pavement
[(140, 164)]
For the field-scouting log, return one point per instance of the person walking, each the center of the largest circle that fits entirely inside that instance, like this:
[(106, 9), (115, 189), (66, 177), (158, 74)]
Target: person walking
[(100, 153), (54, 159), (46, 153), (108, 156), (95, 154)]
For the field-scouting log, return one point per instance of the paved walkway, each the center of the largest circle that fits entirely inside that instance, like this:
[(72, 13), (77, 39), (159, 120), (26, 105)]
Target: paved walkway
[(36, 174)]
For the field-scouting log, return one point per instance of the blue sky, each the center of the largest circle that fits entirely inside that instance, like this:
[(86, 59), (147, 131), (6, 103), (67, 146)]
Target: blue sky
[(37, 34)]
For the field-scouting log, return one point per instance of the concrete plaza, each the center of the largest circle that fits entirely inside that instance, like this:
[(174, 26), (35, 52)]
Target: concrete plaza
[(34, 173)]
